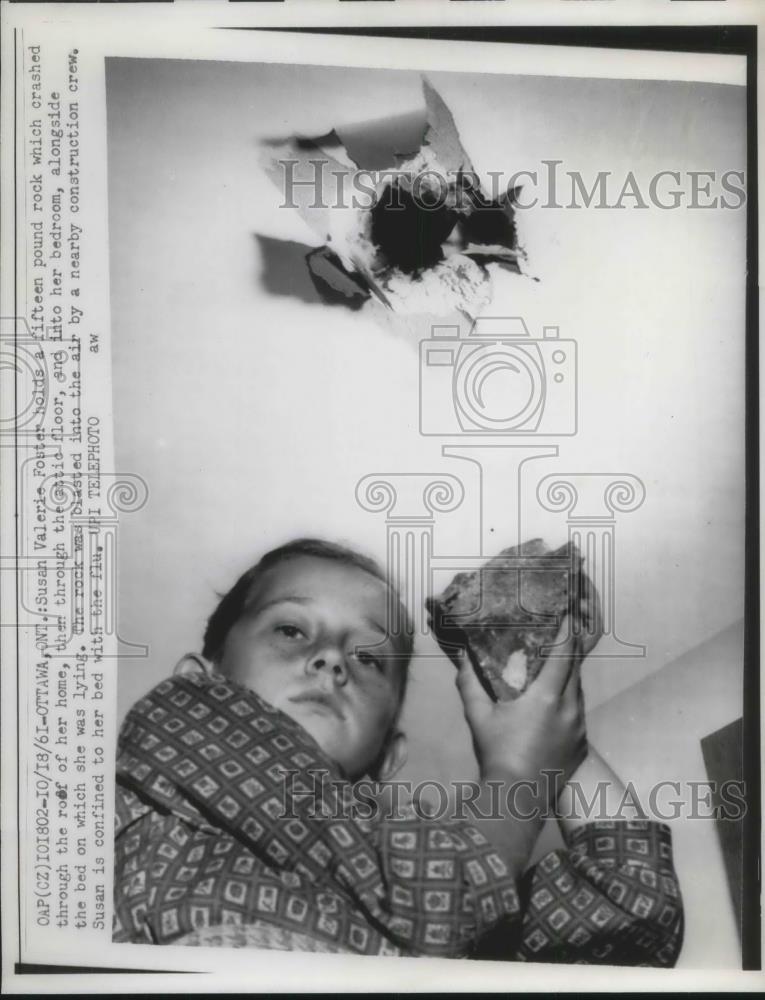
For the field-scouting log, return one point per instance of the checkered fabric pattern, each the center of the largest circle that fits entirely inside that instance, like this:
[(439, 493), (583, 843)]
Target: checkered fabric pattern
[(257, 934), (215, 825), (612, 898), (233, 829)]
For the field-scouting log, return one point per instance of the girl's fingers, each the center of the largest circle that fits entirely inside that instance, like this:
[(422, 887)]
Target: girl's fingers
[(573, 689), (556, 671), (474, 697), (591, 614)]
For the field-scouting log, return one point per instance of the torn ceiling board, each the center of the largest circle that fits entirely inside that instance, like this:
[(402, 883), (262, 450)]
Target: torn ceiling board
[(333, 282), (441, 136), (423, 237), (380, 144), (304, 173)]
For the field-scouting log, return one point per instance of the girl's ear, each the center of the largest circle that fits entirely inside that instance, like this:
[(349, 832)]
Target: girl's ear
[(193, 663)]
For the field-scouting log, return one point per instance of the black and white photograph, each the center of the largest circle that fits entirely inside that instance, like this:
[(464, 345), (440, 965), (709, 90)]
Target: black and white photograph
[(421, 536), (316, 386)]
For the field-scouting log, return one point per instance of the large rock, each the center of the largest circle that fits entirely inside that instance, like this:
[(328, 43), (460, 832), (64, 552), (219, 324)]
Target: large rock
[(504, 614)]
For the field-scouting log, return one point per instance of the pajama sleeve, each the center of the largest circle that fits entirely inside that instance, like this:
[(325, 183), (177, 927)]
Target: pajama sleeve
[(612, 898), (446, 885)]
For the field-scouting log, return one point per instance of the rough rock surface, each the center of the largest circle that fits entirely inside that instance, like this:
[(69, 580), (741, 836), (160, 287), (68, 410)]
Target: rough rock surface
[(503, 615)]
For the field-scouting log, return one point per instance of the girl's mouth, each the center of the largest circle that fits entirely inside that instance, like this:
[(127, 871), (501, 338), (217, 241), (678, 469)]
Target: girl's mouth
[(321, 698)]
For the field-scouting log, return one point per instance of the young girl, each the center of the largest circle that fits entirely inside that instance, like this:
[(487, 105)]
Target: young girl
[(235, 786)]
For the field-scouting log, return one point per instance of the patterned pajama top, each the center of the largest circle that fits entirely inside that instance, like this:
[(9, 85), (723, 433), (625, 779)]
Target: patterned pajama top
[(233, 828)]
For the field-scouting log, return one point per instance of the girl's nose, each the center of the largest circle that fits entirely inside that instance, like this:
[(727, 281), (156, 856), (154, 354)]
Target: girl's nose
[(331, 662)]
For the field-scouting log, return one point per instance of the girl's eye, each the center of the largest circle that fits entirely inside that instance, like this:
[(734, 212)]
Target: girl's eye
[(368, 660), (290, 631)]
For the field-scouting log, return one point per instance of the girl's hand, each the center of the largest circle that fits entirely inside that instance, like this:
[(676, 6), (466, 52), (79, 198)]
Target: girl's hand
[(543, 729), (588, 625)]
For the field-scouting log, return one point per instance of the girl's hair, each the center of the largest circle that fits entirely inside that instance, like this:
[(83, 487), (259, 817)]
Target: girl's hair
[(233, 604)]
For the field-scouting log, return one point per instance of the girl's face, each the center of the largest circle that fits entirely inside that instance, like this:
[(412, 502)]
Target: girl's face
[(314, 642)]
